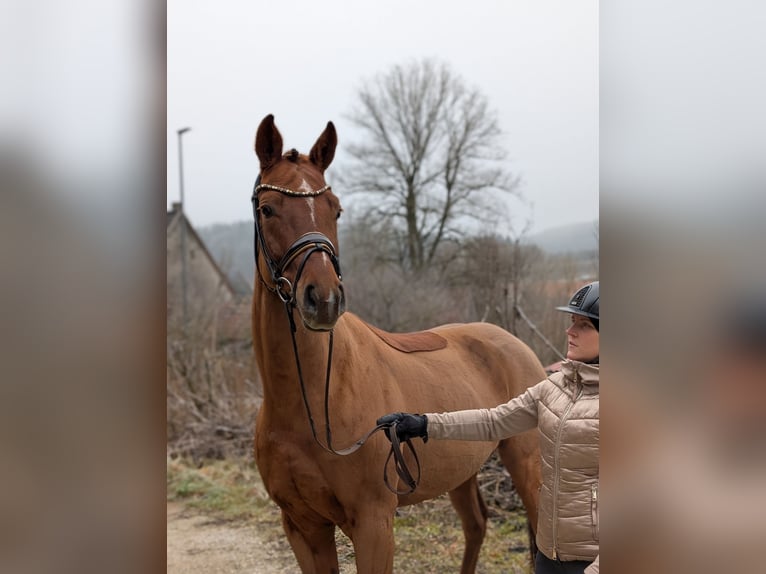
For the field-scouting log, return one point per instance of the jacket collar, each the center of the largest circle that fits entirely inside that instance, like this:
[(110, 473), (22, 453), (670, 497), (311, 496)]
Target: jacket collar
[(582, 372)]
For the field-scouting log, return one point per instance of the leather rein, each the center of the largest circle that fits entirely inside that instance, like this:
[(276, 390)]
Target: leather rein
[(307, 245)]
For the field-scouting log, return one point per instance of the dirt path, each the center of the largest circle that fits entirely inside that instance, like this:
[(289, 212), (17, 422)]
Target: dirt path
[(198, 544), (201, 544)]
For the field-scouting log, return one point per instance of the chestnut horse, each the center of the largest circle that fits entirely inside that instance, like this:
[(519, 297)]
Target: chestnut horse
[(478, 365)]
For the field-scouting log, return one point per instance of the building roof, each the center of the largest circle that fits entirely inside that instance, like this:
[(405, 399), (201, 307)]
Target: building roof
[(174, 211), (236, 285)]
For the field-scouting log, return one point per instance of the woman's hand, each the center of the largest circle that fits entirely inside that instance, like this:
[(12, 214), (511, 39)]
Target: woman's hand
[(407, 425)]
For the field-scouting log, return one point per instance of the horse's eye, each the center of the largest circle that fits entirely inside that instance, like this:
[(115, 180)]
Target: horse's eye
[(338, 215), (266, 211)]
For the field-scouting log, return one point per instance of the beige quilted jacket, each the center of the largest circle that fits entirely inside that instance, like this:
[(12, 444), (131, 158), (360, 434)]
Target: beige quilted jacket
[(565, 409)]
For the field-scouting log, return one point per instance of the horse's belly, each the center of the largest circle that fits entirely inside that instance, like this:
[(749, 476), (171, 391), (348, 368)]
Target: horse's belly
[(445, 465)]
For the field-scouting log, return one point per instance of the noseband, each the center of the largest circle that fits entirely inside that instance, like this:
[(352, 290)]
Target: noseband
[(307, 244)]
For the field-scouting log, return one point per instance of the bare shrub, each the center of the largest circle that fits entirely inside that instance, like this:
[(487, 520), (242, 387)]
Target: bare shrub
[(497, 488), (213, 394)]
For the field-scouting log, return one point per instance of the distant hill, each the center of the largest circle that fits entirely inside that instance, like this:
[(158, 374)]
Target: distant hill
[(574, 238), (232, 246)]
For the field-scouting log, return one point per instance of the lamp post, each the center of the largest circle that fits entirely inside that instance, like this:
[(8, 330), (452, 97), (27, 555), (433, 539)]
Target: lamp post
[(184, 273)]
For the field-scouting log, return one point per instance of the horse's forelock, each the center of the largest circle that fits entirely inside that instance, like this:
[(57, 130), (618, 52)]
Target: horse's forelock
[(292, 155)]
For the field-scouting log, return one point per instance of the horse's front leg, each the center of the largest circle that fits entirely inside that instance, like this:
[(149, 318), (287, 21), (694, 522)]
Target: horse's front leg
[(313, 545), (372, 532)]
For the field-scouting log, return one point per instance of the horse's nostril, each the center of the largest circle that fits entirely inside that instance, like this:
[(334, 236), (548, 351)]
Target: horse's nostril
[(311, 297)]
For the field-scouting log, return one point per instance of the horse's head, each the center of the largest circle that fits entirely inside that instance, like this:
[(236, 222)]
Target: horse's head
[(296, 220)]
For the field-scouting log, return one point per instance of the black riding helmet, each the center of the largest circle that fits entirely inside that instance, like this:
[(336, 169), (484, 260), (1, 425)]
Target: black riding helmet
[(584, 302)]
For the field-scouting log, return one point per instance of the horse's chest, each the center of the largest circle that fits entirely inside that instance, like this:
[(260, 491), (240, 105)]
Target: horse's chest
[(297, 482)]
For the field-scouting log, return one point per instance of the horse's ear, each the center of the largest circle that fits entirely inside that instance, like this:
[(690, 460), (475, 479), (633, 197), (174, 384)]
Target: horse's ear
[(323, 151), (268, 143)]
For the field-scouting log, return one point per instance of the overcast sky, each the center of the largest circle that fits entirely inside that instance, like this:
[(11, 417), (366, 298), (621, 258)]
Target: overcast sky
[(231, 63)]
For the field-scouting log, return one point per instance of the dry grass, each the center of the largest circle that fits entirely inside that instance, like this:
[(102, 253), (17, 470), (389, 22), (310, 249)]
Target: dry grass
[(428, 536)]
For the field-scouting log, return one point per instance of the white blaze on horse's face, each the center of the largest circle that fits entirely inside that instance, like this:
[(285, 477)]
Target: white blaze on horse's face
[(305, 187), (312, 214)]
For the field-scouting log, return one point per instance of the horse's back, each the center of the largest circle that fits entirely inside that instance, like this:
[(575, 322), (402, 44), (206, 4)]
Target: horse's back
[(498, 354), (482, 365), (502, 346)]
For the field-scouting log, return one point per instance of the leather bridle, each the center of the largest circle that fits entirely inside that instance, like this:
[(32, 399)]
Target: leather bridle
[(306, 245)]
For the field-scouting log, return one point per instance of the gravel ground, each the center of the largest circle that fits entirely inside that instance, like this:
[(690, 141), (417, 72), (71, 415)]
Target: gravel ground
[(198, 544)]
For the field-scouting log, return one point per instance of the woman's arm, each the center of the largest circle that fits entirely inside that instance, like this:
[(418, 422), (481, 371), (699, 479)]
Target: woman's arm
[(514, 417)]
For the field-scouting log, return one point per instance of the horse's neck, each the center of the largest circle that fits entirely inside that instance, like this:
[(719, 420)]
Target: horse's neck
[(276, 359)]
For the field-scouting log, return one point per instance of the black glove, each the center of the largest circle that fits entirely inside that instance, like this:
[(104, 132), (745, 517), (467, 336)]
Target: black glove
[(407, 425)]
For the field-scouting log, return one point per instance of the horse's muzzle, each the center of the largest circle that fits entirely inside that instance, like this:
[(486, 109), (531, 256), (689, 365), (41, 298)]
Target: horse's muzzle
[(321, 306)]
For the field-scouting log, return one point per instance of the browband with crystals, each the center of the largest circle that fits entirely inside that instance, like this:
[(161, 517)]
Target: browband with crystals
[(284, 190)]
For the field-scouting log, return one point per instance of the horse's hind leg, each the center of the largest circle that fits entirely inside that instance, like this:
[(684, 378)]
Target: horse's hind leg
[(313, 546), (521, 456), (470, 506)]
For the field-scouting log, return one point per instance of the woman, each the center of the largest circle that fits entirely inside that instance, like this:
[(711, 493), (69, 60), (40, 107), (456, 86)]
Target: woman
[(564, 407)]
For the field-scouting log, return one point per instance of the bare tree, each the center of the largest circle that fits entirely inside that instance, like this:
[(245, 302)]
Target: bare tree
[(430, 157), (384, 293), (497, 272)]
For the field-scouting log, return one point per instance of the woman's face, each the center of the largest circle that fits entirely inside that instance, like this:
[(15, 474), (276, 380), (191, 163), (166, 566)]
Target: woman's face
[(582, 339)]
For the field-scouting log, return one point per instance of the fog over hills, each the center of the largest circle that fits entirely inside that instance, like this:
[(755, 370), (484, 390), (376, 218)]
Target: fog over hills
[(232, 246), (573, 238), (232, 243)]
